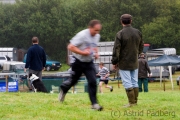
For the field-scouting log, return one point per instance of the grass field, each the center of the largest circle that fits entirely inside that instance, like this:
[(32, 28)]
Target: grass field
[(157, 104)]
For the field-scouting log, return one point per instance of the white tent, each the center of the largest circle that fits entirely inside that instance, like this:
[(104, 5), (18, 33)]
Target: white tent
[(165, 60), (170, 73)]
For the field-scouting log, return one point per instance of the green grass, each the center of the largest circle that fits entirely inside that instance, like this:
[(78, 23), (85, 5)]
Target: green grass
[(64, 67), (157, 104)]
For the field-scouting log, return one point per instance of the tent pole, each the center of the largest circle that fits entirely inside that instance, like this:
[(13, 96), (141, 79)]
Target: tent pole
[(118, 83), (160, 76), (170, 72), (164, 84)]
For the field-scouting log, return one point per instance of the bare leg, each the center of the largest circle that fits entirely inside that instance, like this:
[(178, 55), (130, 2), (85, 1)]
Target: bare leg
[(110, 87), (107, 86), (100, 87)]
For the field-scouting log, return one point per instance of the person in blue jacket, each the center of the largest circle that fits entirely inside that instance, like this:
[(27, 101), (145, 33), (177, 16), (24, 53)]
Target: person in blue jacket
[(36, 60)]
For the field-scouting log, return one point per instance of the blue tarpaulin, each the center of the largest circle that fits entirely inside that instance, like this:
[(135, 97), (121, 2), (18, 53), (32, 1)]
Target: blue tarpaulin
[(165, 60)]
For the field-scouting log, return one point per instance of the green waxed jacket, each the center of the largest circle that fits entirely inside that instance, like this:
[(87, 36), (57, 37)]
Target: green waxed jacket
[(127, 46)]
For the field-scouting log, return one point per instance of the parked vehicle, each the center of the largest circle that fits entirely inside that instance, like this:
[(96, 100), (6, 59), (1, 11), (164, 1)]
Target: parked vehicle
[(11, 52), (155, 53), (13, 66), (178, 66), (50, 64), (3, 59)]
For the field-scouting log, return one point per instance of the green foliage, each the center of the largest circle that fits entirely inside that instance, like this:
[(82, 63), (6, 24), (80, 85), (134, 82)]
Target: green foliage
[(163, 31), (55, 22)]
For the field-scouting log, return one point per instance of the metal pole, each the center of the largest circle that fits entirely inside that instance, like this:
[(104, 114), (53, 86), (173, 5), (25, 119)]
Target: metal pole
[(164, 84), (6, 83)]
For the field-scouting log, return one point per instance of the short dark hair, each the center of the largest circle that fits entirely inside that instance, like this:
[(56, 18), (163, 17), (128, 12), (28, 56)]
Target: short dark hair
[(35, 40), (101, 63), (126, 21), (92, 23)]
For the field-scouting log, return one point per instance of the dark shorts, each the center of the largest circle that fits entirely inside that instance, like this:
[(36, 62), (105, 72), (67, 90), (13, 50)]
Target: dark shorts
[(105, 81)]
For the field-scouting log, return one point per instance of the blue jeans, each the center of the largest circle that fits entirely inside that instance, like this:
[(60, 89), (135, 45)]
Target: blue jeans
[(129, 78)]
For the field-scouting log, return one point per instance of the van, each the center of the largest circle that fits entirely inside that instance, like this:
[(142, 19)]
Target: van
[(3, 59)]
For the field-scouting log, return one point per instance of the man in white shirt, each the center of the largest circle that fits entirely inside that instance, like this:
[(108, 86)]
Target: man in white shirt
[(84, 48)]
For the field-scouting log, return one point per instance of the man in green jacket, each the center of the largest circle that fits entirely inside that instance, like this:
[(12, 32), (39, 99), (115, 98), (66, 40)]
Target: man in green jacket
[(143, 73), (128, 45)]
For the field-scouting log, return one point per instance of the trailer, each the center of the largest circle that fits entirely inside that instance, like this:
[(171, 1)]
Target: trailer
[(105, 50), (11, 52), (155, 53)]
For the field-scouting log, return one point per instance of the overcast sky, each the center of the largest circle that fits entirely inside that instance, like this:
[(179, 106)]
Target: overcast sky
[(7, 1)]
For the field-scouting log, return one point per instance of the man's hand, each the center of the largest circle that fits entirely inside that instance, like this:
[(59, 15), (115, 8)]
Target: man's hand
[(25, 70), (114, 67), (96, 55), (149, 75), (43, 69), (86, 52), (76, 50)]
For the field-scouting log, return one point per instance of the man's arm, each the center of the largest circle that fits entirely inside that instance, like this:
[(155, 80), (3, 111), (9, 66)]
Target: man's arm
[(75, 49), (96, 55), (116, 50), (148, 69), (44, 60), (28, 58)]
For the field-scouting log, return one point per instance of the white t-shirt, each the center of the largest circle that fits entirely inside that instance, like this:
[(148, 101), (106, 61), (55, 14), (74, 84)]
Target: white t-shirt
[(84, 40)]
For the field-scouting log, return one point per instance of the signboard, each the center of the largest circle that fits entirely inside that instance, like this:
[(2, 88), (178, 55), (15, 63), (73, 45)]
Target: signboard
[(12, 86), (2, 86)]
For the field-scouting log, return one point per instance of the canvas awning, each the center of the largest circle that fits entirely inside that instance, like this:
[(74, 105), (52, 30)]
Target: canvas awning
[(165, 60)]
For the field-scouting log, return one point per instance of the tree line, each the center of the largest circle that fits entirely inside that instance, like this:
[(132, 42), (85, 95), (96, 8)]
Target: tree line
[(55, 22)]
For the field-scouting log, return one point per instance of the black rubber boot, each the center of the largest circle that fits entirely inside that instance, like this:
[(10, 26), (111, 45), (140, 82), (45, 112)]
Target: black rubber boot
[(131, 97), (136, 93)]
